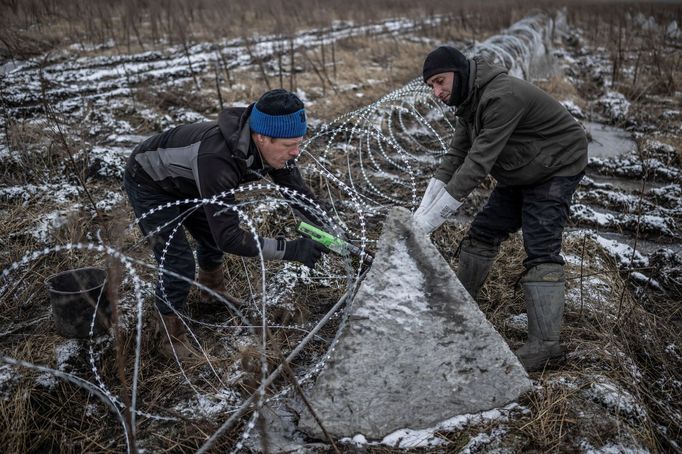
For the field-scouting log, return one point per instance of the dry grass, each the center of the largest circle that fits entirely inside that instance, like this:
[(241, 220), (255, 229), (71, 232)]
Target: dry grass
[(560, 88), (627, 349), (31, 28), (367, 68), (42, 418)]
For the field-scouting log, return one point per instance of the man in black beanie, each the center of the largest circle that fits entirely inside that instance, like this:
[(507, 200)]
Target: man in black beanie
[(203, 160), (453, 66), (537, 152)]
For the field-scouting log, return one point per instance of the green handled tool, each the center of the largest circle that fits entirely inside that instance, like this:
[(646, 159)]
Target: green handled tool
[(333, 243)]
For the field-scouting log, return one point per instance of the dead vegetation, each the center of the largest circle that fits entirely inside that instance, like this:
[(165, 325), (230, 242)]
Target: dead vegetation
[(30, 28), (616, 346), (621, 336)]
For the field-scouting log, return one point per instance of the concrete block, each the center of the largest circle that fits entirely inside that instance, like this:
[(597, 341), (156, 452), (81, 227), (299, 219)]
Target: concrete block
[(417, 349)]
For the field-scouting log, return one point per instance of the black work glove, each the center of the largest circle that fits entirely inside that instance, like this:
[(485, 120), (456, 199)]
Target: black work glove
[(304, 250)]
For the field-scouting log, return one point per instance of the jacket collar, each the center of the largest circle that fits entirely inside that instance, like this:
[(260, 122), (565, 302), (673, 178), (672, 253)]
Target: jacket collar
[(473, 70), (480, 74), (234, 125)]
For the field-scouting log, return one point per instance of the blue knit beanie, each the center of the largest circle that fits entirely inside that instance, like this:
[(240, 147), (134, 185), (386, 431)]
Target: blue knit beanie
[(278, 114)]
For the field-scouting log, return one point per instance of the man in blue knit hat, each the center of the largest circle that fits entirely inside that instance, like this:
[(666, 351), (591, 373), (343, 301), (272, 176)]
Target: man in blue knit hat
[(203, 160)]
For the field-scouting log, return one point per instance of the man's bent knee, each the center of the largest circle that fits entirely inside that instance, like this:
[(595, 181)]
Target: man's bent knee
[(475, 246)]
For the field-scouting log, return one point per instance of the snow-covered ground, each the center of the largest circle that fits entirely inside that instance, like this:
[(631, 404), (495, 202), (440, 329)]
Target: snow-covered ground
[(629, 205)]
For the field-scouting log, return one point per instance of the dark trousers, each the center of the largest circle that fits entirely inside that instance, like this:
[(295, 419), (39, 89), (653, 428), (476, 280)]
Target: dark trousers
[(170, 244), (540, 211)]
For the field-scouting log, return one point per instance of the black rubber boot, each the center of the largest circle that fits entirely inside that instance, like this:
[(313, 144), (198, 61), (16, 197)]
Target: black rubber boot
[(543, 286), (475, 260)]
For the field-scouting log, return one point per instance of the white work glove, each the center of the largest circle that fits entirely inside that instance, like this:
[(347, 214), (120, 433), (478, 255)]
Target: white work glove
[(437, 212), (432, 189)]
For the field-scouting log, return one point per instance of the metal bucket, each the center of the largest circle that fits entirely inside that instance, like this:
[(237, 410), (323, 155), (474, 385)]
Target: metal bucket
[(74, 294)]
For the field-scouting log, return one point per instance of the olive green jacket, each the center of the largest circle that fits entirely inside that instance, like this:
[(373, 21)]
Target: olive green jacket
[(511, 129)]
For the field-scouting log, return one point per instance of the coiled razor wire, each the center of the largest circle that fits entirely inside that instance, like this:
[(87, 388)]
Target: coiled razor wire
[(389, 148)]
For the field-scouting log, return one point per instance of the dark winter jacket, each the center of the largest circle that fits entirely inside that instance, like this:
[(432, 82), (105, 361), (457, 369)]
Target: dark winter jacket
[(513, 130), (205, 159)]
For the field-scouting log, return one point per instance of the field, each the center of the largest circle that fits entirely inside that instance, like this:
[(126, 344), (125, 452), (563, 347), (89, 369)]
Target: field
[(82, 83)]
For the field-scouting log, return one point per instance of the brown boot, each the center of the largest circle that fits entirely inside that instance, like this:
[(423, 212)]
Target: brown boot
[(214, 280), (173, 338)]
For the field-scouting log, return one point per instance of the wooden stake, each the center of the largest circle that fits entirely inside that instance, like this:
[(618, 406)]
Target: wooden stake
[(217, 85), (292, 64)]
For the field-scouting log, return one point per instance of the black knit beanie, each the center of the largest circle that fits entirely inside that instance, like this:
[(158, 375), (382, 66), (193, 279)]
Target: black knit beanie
[(278, 113), (448, 59)]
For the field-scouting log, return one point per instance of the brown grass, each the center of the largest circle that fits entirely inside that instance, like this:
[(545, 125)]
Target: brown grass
[(38, 418), (561, 89), (600, 344), (30, 28)]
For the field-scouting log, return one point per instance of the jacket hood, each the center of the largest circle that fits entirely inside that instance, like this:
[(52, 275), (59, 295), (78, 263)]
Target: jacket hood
[(480, 74), (485, 72), (234, 126)]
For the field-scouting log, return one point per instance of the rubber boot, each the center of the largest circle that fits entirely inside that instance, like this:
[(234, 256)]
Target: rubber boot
[(215, 281), (543, 286), (475, 260), (173, 338)]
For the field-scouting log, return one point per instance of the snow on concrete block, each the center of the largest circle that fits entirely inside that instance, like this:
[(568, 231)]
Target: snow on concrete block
[(417, 349)]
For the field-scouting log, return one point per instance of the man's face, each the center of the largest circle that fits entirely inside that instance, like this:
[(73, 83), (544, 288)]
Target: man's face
[(276, 152), (441, 84)]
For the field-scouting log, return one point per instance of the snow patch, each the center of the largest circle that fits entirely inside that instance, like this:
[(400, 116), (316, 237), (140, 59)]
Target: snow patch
[(210, 405), (91, 410), (58, 193), (109, 161), (622, 253), (614, 105), (50, 223), (670, 114), (65, 352), (592, 294), (409, 438), (7, 377), (46, 380), (673, 351), (110, 200), (611, 448), (673, 31), (573, 109), (642, 279), (480, 441), (614, 398), (518, 322)]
